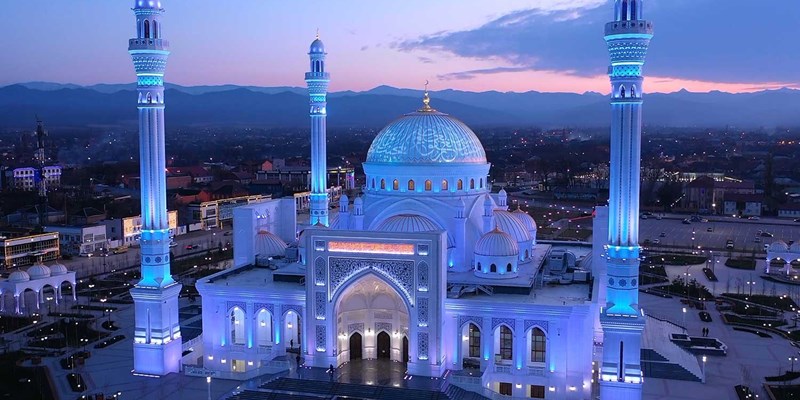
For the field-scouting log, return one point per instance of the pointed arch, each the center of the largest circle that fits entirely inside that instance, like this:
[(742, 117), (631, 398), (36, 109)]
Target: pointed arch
[(411, 185), (383, 184), (633, 91), (155, 29), (444, 184), (460, 185), (395, 185), (624, 10), (622, 91), (634, 6), (472, 184), (146, 29), (428, 185)]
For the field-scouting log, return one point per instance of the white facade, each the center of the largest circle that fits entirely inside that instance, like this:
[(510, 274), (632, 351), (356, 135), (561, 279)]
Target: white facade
[(25, 178), (81, 240), (39, 279)]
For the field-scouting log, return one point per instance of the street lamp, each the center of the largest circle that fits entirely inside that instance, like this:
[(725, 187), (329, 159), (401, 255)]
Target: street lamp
[(684, 320), (208, 381), (792, 359), (704, 369)]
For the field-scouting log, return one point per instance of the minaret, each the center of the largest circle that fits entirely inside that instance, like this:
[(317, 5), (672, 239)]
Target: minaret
[(157, 338), (42, 184), (628, 38), (317, 81)]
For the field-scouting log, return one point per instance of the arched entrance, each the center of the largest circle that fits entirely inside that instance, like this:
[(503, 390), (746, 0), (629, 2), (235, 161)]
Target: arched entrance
[(405, 348), (384, 345), (371, 321), (356, 346)]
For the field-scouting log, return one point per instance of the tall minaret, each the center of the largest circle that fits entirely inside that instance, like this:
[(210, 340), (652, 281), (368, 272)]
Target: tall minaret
[(317, 81), (628, 38), (157, 346)]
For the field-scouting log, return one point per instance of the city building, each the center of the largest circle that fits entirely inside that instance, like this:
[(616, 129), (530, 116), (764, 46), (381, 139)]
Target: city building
[(128, 231), (300, 176), (81, 240), (27, 178), (25, 250), (217, 213), (40, 279), (707, 195), (744, 205)]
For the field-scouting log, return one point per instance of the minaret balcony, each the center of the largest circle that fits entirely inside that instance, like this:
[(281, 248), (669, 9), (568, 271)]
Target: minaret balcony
[(629, 27), (317, 75), (148, 44)]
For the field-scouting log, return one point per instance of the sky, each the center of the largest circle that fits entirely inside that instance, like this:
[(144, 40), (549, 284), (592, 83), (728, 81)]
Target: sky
[(474, 45)]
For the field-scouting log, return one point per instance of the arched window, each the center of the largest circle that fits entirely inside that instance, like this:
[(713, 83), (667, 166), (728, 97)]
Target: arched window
[(472, 184), (633, 10), (263, 322), (444, 184), (383, 184), (395, 185), (373, 183), (506, 342), (538, 345), (508, 267), (527, 254), (411, 185), (493, 268), (624, 10), (460, 185), (428, 185), (155, 30), (146, 28), (474, 341), (480, 268), (149, 98), (481, 183), (633, 91), (237, 326), (622, 91)]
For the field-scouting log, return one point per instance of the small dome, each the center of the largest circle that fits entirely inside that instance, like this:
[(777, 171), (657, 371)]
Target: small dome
[(344, 199), (269, 245), (38, 271), (358, 201), (525, 219), (156, 4), (426, 137), (487, 201), (497, 244), (795, 248), (19, 276), (778, 246), (317, 47), (412, 223), (503, 193), (58, 269), (508, 222)]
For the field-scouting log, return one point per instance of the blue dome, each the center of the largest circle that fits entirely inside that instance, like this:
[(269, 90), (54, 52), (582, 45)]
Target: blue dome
[(412, 223), (426, 137), (147, 4), (317, 47)]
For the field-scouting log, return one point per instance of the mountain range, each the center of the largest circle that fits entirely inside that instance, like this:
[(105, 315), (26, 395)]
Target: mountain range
[(65, 105)]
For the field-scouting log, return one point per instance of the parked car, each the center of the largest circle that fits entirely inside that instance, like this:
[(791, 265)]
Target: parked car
[(656, 241), (754, 218), (729, 244), (758, 239), (710, 229), (663, 234), (797, 220), (766, 234), (687, 222)]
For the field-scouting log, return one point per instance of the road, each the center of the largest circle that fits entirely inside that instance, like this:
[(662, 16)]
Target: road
[(87, 266)]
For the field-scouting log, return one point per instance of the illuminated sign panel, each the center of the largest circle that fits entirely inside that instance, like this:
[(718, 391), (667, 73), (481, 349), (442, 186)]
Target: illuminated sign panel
[(371, 248)]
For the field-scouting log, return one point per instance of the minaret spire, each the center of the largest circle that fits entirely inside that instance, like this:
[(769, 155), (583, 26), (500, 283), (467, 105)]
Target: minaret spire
[(317, 80), (628, 38), (157, 346)]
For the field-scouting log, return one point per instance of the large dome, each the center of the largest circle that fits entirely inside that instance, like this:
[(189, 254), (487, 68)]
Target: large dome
[(412, 223), (426, 137), (269, 245)]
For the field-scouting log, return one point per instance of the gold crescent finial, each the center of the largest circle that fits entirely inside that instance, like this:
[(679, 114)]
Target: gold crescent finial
[(317, 33), (426, 99)]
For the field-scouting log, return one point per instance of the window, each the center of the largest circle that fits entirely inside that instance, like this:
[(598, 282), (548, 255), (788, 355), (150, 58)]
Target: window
[(506, 342), (537, 392), (373, 183), (493, 268), (508, 267), (505, 388), (474, 341), (383, 184), (146, 28), (633, 11), (481, 183), (395, 185), (538, 345), (460, 185), (411, 185), (155, 30), (624, 12), (444, 184), (428, 185), (472, 184)]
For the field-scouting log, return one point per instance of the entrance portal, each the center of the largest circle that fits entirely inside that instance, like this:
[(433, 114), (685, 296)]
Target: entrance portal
[(355, 346), (384, 345), (369, 310)]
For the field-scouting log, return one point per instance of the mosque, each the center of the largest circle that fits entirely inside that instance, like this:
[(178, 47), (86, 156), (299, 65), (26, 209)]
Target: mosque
[(427, 267)]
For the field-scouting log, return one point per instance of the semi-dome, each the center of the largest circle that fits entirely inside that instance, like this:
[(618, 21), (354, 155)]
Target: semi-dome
[(795, 248), (509, 223), (412, 223), (496, 244), (269, 245), (39, 271), (525, 219), (778, 246), (58, 269), (426, 137), (19, 276)]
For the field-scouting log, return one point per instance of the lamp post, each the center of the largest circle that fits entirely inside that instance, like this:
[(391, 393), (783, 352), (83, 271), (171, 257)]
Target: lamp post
[(208, 381), (792, 359), (704, 369), (684, 320)]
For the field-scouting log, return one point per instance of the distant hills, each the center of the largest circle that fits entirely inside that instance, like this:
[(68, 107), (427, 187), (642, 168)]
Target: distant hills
[(252, 106)]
